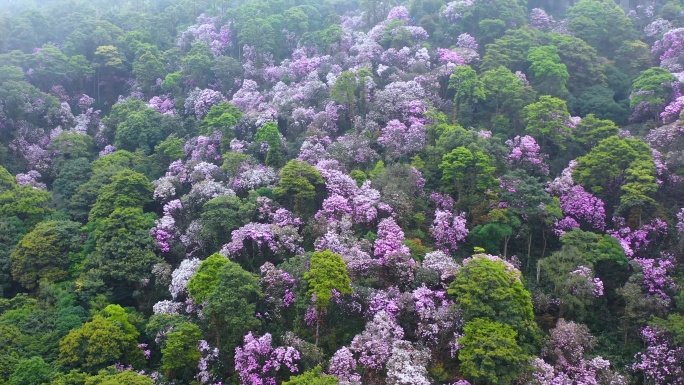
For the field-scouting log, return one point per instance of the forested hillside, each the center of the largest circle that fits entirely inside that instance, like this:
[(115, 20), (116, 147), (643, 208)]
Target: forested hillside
[(325, 192)]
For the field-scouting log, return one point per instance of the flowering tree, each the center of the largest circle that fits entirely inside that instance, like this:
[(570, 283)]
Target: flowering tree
[(661, 362), (374, 345), (448, 230), (258, 363), (407, 365), (566, 353)]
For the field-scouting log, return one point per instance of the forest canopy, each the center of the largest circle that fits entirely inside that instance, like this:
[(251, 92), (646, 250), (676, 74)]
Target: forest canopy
[(402, 192)]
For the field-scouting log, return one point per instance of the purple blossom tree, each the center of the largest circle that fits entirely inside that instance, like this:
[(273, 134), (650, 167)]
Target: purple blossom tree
[(343, 366), (448, 230), (258, 363), (199, 102), (662, 362), (565, 360), (525, 153), (400, 140), (278, 287), (390, 240), (374, 344), (408, 365)]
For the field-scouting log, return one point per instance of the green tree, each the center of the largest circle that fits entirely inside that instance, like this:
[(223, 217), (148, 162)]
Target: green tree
[(600, 101), (221, 118), (231, 306), (489, 353), (123, 254), (197, 64), (112, 376), (24, 202), (222, 215), (511, 50), (583, 62), (127, 189), (31, 371), (98, 344), (298, 185), (468, 86), (592, 130), (493, 289), (633, 57), (652, 88), (547, 121), (46, 253), (550, 75), (467, 173), (619, 171), (506, 94), (205, 279), (602, 24), (180, 353), (344, 92), (11, 232), (140, 129), (147, 69), (313, 376), (269, 134), (69, 146), (500, 226), (327, 271)]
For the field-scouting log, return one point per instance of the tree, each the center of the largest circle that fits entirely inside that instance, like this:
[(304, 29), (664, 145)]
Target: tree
[(222, 118), (603, 24), (572, 280), (22, 201), (550, 75), (98, 344), (141, 129), (506, 94), (327, 272), (651, 89), (490, 288), (221, 215), (205, 279), (127, 189), (46, 253), (489, 353), (180, 354), (313, 376), (511, 50), (298, 186), (467, 173), (230, 294), (269, 134), (112, 376), (633, 57), (468, 86), (547, 121), (147, 69), (344, 92), (31, 371), (11, 232), (122, 256), (583, 62), (619, 170)]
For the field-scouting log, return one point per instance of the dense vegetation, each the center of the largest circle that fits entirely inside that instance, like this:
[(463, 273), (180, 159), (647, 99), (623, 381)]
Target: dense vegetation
[(341, 191)]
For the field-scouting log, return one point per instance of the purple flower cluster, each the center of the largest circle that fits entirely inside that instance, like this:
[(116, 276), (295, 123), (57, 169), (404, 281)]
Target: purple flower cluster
[(448, 230), (525, 153), (662, 362), (257, 362)]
